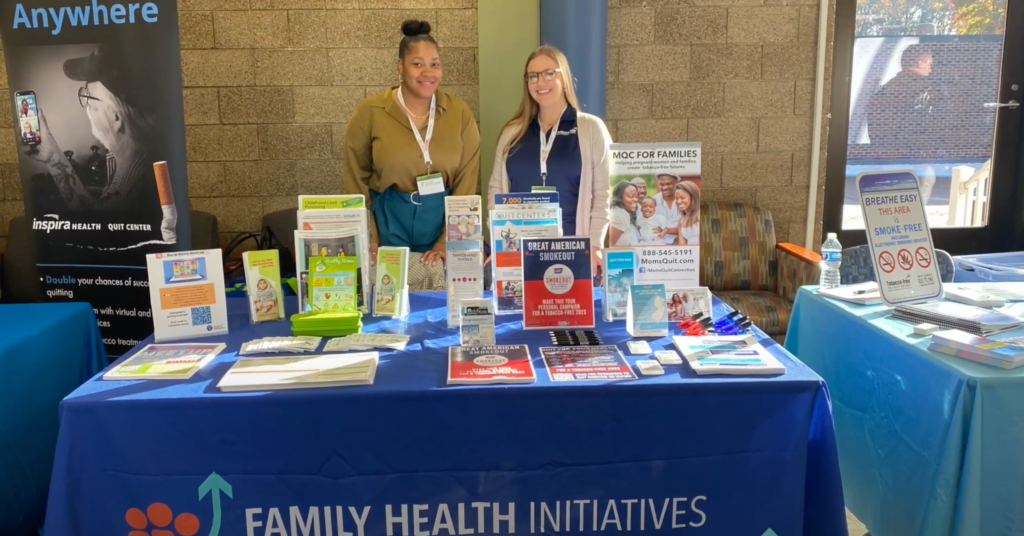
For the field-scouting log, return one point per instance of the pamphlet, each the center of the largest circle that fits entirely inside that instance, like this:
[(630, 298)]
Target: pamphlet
[(490, 364), (391, 292), (332, 283), (269, 373), (342, 222), (465, 274), (269, 345), (367, 341), (618, 269), (687, 302), (477, 323), (510, 224), (186, 291), (263, 285), (558, 285), (463, 217), (337, 243), (647, 314), (733, 354), (331, 202), (586, 363), (165, 362)]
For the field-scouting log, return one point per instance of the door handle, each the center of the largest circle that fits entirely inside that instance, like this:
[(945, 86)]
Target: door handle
[(1013, 105)]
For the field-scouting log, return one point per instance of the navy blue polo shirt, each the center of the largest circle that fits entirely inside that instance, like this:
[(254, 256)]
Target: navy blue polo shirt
[(565, 164)]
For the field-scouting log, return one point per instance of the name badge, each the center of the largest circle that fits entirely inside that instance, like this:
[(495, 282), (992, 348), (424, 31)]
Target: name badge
[(430, 184), (537, 189)]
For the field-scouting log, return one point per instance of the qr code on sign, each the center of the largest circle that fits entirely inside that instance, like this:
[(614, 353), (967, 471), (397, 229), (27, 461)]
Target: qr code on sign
[(201, 316)]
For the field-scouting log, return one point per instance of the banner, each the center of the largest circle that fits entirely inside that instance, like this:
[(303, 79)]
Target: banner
[(96, 89), (654, 205)]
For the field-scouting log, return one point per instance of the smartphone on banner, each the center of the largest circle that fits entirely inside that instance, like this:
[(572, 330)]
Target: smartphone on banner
[(26, 114)]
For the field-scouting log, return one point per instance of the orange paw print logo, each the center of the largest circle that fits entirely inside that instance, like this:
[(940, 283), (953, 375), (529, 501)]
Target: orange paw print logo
[(157, 519)]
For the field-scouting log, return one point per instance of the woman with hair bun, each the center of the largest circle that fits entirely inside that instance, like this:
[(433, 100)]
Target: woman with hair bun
[(408, 147)]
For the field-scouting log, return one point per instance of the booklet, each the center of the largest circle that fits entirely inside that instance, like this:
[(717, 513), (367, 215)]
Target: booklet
[(463, 218), (338, 243), (558, 284), (464, 272), (186, 292), (1004, 354), (647, 311), (165, 362), (730, 354), (687, 302), (490, 364), (269, 373), (332, 283), (510, 224), (345, 222), (586, 363), (391, 292), (263, 285), (618, 266)]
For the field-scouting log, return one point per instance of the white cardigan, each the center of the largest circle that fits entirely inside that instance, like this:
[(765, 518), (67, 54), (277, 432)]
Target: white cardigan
[(597, 163)]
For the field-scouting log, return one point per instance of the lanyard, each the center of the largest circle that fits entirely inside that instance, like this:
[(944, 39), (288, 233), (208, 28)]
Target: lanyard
[(423, 143), (545, 146)]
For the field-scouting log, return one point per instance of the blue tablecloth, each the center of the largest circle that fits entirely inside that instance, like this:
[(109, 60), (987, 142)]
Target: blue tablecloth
[(412, 456), (929, 444), (46, 351)]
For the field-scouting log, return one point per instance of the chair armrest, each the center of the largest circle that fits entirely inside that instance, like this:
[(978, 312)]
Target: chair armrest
[(797, 266)]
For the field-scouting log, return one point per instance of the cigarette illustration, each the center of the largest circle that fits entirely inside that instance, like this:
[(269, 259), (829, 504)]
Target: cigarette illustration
[(163, 187)]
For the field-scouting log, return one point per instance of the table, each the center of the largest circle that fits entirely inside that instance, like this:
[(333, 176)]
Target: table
[(46, 351), (412, 456), (929, 444)]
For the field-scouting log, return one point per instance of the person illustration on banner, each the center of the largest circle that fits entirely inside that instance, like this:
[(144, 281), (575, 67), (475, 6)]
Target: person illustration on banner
[(641, 188), (688, 201), (408, 147), (651, 224), (622, 225), (122, 108), (667, 207)]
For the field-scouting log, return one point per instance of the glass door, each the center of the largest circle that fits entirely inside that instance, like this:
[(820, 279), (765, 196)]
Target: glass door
[(932, 87)]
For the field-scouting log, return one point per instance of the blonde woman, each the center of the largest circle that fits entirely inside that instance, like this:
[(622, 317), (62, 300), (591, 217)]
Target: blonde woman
[(551, 143), (688, 202)]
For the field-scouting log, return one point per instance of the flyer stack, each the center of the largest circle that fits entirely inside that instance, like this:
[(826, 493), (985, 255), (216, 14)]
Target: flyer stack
[(514, 217), (464, 256)]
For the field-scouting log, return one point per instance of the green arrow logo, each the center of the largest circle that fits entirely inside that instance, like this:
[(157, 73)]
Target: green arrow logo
[(769, 532), (217, 485)]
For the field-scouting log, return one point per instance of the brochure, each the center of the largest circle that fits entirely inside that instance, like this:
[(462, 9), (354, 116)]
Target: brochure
[(332, 283), (343, 222), (687, 302), (558, 284), (490, 364), (586, 363), (464, 218), (165, 362), (477, 323), (509, 224), (268, 345), (391, 293), (618, 268), (733, 354), (367, 341), (331, 202), (464, 271), (186, 292), (263, 285), (269, 373), (647, 313), (337, 243)]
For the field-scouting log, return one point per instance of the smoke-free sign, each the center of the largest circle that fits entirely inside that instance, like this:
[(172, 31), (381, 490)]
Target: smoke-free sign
[(898, 234)]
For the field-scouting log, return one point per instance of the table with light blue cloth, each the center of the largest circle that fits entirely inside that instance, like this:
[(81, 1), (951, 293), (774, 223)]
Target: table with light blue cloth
[(46, 351), (410, 455), (929, 444)]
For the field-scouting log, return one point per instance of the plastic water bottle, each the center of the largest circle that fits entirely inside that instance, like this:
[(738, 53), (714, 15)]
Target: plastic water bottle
[(831, 259)]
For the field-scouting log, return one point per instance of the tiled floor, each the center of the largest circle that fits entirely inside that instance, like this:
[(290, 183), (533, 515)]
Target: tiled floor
[(855, 527)]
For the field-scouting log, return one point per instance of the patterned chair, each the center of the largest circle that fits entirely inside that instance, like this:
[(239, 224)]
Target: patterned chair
[(858, 266), (743, 265)]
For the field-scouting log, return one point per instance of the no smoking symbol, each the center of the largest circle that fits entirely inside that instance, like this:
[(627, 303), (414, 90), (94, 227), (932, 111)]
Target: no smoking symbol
[(905, 259), (886, 262), (924, 257)]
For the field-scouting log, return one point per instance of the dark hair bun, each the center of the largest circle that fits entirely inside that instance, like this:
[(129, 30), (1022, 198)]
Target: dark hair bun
[(412, 28)]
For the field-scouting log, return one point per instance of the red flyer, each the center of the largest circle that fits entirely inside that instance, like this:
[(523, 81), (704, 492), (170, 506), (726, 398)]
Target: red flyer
[(490, 364), (558, 286)]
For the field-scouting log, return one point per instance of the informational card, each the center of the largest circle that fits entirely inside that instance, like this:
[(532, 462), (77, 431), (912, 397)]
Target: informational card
[(558, 286), (186, 291), (477, 323), (899, 237), (619, 267), (687, 302), (464, 218), (465, 275), (586, 363), (391, 291), (647, 314), (263, 285)]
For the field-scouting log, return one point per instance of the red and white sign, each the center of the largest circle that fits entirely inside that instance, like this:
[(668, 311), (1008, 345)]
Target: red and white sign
[(924, 257), (886, 262), (905, 259)]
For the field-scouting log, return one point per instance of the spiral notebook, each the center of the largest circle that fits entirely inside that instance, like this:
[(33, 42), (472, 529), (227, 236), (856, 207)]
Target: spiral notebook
[(946, 314)]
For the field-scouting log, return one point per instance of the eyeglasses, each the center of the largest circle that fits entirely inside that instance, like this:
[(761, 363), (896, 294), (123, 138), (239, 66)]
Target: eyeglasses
[(84, 97), (548, 74)]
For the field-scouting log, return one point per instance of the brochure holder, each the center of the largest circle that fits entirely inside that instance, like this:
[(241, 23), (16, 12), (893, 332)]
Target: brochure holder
[(464, 273)]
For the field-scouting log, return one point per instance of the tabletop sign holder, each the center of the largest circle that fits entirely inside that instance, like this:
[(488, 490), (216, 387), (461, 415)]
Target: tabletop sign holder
[(901, 244), (391, 288), (647, 311), (186, 291)]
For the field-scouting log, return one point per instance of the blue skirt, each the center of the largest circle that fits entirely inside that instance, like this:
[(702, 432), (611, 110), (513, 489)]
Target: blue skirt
[(401, 222)]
